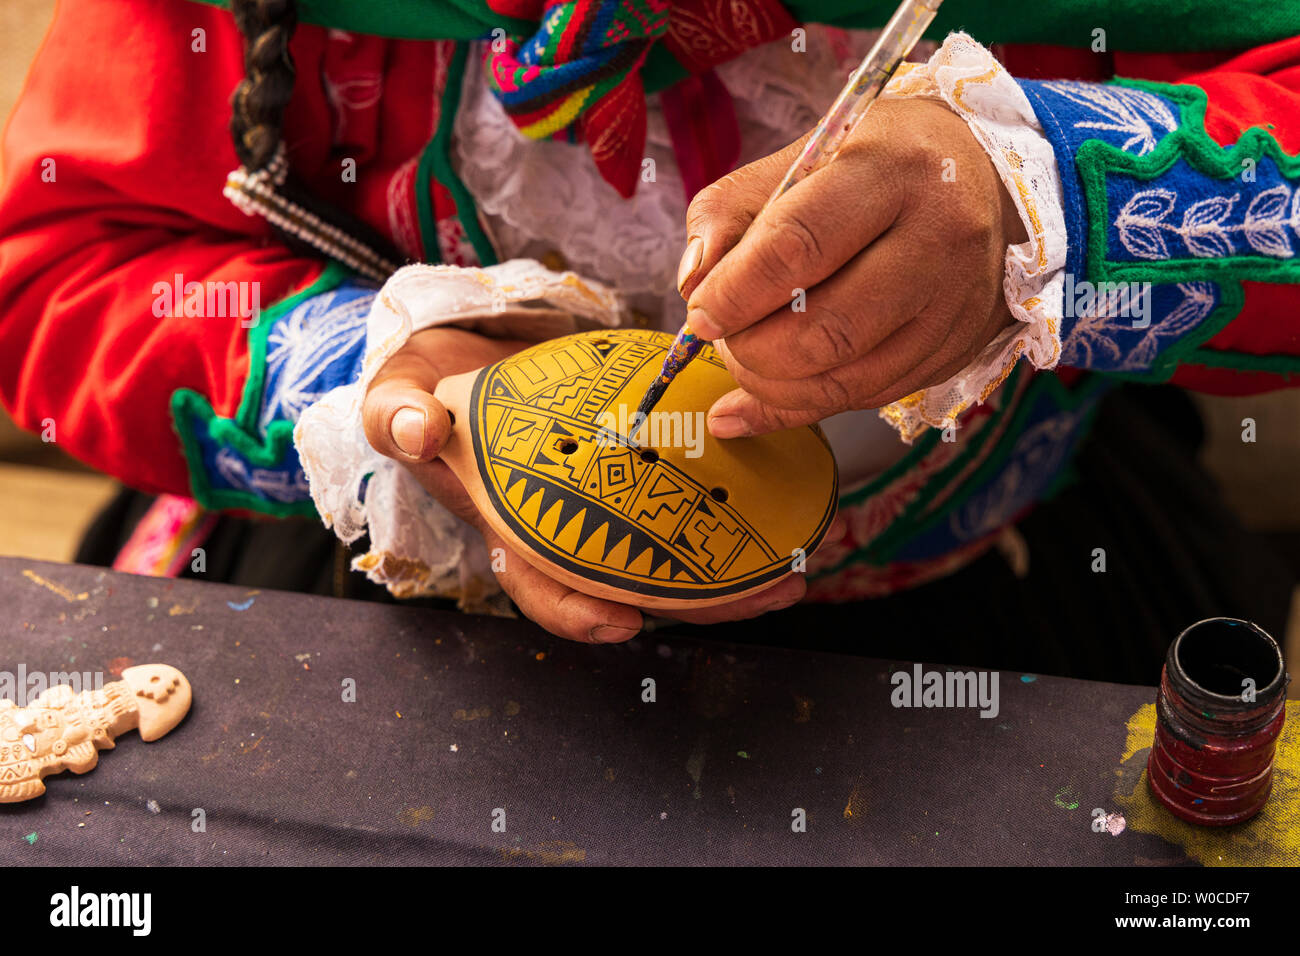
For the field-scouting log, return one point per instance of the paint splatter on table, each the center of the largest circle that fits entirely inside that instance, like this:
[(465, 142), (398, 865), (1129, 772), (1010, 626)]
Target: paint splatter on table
[(292, 765)]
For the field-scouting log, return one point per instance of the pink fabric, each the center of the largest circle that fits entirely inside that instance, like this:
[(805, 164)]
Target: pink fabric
[(163, 541)]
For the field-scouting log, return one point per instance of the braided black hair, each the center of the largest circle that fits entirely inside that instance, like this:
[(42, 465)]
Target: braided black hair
[(260, 98), (257, 113)]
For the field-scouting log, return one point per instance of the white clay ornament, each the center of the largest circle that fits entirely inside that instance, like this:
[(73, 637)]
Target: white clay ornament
[(65, 730)]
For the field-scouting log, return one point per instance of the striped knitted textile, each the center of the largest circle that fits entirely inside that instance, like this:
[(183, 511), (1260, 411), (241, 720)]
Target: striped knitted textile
[(578, 76)]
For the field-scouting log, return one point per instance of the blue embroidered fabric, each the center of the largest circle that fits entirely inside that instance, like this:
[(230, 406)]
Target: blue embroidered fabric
[(312, 348), (1071, 113), (1180, 215)]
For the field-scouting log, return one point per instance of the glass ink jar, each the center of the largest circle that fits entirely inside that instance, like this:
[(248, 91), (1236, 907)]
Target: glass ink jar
[(1219, 711)]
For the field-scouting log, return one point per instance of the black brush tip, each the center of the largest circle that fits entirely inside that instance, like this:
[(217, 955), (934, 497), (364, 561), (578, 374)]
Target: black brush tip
[(651, 397), (648, 402)]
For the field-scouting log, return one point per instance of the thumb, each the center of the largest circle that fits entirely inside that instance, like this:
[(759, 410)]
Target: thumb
[(739, 414), (720, 213), (401, 417)]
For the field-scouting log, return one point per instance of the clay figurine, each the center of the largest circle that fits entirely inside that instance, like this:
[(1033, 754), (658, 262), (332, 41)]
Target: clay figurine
[(65, 730)]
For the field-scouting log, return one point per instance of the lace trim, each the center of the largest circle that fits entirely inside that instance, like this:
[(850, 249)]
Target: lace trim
[(966, 76), (417, 547), (542, 196)]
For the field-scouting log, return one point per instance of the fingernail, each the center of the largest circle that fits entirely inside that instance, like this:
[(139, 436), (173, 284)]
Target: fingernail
[(691, 260), (609, 634), (407, 429), (728, 426), (703, 326)]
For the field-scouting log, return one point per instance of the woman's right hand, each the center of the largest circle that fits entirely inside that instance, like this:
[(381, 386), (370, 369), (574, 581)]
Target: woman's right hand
[(404, 421)]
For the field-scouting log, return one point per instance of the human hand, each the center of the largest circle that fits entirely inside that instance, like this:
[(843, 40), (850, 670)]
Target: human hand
[(898, 245), (404, 421)]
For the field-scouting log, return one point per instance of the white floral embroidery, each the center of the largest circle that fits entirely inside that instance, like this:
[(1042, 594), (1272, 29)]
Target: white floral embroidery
[(266, 483), (1134, 112), (306, 342), (1140, 221), (1205, 229), (1265, 225), (1094, 339)]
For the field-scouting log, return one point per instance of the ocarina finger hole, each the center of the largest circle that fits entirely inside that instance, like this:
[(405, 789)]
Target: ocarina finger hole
[(567, 447), (451, 418), (649, 456), (718, 494)]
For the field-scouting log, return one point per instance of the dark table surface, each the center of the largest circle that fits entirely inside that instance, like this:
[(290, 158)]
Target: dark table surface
[(462, 720)]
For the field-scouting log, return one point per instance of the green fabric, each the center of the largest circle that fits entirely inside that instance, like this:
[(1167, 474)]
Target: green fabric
[(917, 514), (435, 162), (1065, 399), (915, 454), (405, 19), (1130, 25), (661, 69), (1284, 365), (190, 410), (1097, 159), (904, 527), (1136, 25)]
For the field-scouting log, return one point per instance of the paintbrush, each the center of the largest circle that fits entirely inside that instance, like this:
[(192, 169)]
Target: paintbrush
[(905, 27)]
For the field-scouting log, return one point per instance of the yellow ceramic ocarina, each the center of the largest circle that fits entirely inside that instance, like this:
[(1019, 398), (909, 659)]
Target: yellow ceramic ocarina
[(673, 519)]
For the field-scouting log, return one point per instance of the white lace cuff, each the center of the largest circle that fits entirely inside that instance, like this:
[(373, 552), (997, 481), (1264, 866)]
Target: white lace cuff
[(417, 547), (975, 86)]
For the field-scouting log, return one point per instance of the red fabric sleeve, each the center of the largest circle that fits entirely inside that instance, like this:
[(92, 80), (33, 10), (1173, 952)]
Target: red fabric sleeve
[(129, 121), (1258, 88)]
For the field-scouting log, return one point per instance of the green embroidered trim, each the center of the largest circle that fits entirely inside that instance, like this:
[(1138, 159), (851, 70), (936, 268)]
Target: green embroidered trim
[(190, 411), (903, 527), (1190, 142), (435, 161), (907, 526), (909, 523), (919, 450), (1065, 399), (1285, 365)]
